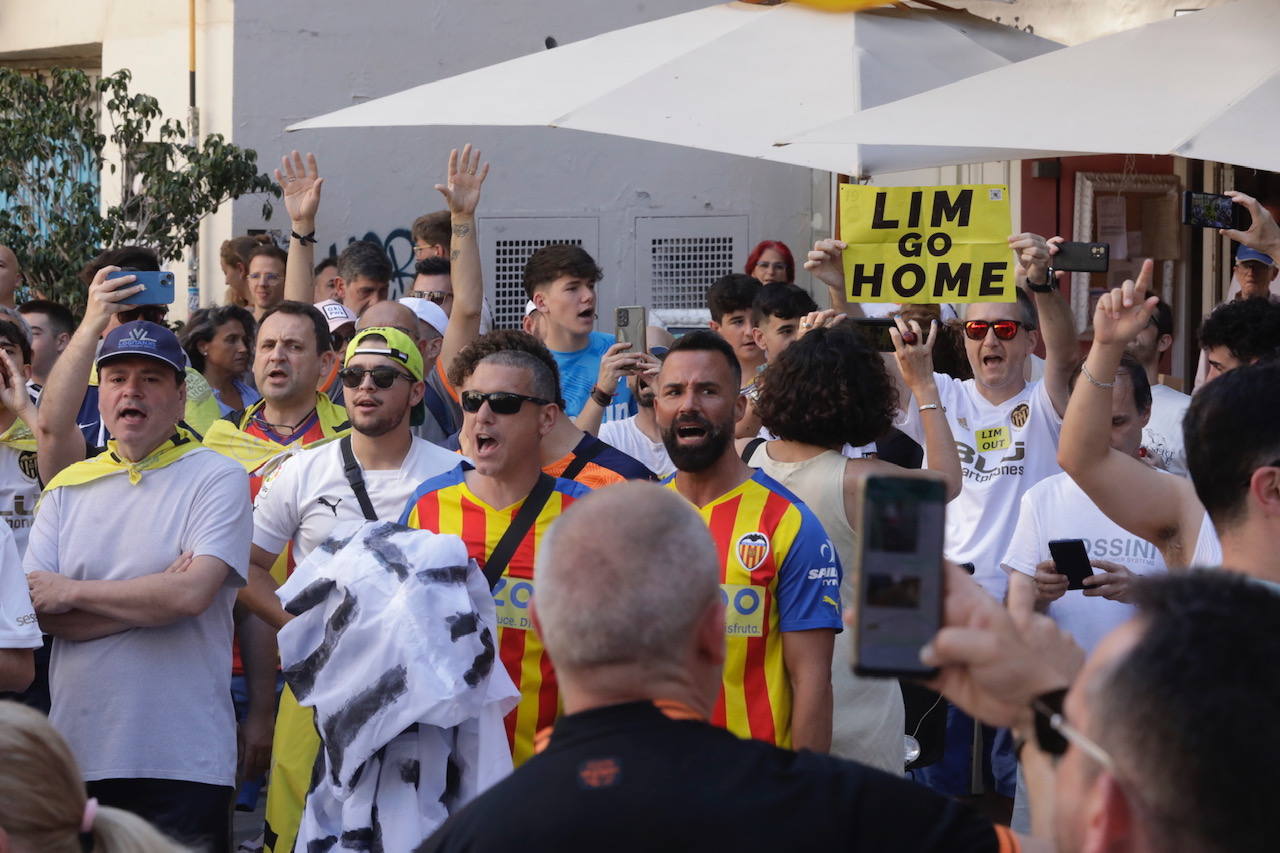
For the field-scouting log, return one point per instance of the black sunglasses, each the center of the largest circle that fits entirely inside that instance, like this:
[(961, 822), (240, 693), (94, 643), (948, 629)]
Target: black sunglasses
[(383, 377), (501, 402)]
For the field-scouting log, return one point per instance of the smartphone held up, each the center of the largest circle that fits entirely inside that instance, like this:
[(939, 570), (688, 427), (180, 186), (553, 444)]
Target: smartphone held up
[(898, 575), (1210, 210)]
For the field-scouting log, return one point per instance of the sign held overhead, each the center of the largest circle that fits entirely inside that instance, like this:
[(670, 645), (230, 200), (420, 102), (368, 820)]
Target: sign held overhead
[(927, 244)]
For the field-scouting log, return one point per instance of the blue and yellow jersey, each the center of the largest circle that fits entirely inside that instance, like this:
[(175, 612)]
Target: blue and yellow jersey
[(444, 504), (778, 572)]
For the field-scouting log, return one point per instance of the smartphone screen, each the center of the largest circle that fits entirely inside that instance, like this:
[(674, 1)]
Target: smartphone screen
[(875, 331), (157, 287), (898, 578), (1209, 210), (1071, 559), (631, 327)]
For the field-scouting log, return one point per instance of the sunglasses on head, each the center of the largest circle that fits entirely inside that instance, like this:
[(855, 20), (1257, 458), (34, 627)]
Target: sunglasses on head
[(1005, 329), (383, 377), (500, 402)]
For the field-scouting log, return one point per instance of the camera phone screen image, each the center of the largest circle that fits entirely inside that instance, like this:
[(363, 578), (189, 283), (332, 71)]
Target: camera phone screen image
[(1211, 210), (901, 591), (895, 526)]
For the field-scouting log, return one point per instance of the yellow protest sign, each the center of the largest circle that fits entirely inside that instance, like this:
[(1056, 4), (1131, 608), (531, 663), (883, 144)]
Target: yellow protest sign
[(927, 244)]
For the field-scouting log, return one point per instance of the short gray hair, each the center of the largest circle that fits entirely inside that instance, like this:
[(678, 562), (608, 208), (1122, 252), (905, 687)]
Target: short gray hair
[(1030, 317), (623, 578), (542, 382)]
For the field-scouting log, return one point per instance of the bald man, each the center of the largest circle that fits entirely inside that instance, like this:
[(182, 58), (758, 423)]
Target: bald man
[(630, 610), (10, 276)]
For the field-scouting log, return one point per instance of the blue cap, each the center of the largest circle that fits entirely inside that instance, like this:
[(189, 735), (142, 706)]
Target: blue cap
[(1244, 253), (145, 340)]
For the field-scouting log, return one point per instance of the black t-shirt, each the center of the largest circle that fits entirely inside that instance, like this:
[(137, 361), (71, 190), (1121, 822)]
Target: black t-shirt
[(626, 777)]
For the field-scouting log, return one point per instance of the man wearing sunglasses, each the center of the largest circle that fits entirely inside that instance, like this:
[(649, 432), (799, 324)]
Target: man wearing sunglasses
[(1163, 741), (509, 407), (301, 501)]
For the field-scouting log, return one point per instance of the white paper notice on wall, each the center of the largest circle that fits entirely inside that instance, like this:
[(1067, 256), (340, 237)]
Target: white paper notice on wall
[(1111, 225)]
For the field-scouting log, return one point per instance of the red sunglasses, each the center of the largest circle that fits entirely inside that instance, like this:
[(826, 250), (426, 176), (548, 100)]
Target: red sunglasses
[(1005, 330)]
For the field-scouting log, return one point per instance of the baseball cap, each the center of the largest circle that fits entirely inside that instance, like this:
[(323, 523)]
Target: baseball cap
[(336, 314), (146, 340), (428, 312), (1244, 253), (397, 346)]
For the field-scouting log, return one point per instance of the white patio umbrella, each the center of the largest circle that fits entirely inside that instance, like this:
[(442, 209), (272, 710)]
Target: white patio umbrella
[(1205, 85), (731, 77)]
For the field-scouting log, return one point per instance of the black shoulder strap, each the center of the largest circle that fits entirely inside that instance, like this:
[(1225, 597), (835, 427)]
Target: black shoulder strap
[(582, 457), (750, 449), (515, 532), (355, 477)]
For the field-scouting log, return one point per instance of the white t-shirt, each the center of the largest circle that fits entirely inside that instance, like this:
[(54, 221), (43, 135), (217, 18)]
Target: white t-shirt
[(19, 628), (309, 493), (1208, 552), (1056, 508), (1004, 451), (626, 436), (1162, 435), (148, 703), (19, 491)]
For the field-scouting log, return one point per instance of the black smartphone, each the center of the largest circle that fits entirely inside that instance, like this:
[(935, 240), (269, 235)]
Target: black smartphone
[(1071, 559), (875, 331), (157, 287), (898, 575), (632, 322), (1082, 257), (1209, 210)]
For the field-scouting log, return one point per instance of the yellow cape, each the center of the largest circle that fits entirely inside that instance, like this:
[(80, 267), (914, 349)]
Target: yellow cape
[(109, 462), (252, 452)]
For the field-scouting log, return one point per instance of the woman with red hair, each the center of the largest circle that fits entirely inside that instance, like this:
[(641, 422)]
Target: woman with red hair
[(771, 261)]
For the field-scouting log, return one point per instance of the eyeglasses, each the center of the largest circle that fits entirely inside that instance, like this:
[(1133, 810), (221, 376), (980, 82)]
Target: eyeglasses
[(436, 296), (500, 402), (383, 377), (268, 277), (420, 250), (1067, 733), (1005, 330)]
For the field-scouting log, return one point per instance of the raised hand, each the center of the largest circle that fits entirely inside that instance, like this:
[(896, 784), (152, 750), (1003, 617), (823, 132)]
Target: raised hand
[(1032, 254), (13, 390), (914, 353), (1263, 233), (466, 176), (1126, 310), (301, 185), (104, 297), (826, 262)]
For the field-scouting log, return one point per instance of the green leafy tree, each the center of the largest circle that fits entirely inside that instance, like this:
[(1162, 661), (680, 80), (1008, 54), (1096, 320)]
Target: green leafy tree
[(61, 132)]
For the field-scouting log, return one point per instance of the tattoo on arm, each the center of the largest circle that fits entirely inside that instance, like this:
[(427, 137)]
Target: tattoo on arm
[(461, 230), (453, 255)]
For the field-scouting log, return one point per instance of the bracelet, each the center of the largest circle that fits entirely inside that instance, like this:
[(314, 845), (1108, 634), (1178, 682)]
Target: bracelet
[(1047, 287), (604, 398), (304, 239), (1095, 383), (927, 406)]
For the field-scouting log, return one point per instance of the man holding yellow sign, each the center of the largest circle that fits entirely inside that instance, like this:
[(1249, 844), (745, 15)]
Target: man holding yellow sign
[(950, 244)]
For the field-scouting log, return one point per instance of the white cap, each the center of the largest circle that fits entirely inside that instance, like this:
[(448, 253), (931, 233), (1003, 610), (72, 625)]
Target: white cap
[(336, 313), (428, 312)]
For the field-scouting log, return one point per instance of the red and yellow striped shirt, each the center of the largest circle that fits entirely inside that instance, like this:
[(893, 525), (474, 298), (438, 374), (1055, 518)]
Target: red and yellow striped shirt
[(444, 504), (779, 573)]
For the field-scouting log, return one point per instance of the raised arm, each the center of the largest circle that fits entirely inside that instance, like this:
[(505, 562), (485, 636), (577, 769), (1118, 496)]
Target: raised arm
[(184, 590), (826, 263), (915, 366), (1160, 508), (59, 441), (1057, 326), (301, 186), (462, 194), (1263, 233)]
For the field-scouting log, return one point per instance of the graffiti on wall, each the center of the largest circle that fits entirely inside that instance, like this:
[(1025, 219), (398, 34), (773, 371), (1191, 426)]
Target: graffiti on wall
[(398, 245)]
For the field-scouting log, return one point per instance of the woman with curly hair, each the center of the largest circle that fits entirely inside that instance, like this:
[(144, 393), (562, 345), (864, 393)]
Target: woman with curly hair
[(219, 343), (43, 804), (827, 389)]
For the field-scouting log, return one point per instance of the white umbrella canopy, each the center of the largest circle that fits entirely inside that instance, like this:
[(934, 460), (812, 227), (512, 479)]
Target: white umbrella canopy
[(731, 78), (1205, 86)]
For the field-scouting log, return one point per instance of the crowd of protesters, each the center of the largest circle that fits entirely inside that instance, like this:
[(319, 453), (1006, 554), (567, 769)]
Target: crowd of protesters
[(206, 580)]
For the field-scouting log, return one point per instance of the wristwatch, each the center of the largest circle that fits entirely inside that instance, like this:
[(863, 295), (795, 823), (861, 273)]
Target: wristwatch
[(1048, 287)]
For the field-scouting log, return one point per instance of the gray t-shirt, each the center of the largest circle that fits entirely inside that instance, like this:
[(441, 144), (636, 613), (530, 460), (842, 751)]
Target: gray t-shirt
[(148, 703)]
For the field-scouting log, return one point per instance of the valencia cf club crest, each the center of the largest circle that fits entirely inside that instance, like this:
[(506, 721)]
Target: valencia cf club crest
[(753, 548), (1018, 417), (27, 464)]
